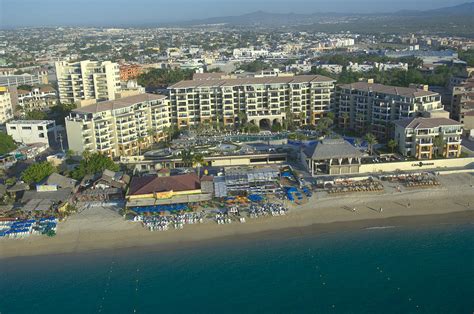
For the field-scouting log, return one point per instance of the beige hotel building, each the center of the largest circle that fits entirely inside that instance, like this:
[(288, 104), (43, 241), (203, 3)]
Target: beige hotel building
[(364, 106), (264, 100), (86, 82), (416, 137), (119, 127)]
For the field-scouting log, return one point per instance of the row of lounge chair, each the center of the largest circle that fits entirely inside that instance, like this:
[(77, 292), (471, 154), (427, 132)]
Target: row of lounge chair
[(370, 187), (422, 183)]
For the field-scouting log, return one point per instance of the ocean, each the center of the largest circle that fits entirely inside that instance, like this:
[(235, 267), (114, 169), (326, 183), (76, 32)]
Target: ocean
[(377, 270)]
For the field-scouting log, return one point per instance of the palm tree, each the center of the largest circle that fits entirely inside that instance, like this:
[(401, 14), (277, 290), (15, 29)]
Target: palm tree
[(242, 116), (438, 143), (392, 144), (371, 141), (330, 115), (323, 125), (86, 155), (345, 117), (140, 141), (289, 118), (187, 157), (166, 131), (151, 135), (198, 160)]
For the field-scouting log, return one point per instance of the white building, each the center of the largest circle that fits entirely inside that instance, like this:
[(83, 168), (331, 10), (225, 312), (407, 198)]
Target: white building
[(331, 68), (343, 42), (38, 98), (249, 53), (6, 107), (86, 82), (391, 66), (32, 131)]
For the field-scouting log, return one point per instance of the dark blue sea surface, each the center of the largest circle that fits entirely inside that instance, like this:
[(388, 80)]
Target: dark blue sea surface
[(394, 270)]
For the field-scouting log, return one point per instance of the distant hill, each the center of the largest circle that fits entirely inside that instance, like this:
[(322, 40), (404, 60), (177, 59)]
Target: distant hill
[(464, 9), (261, 18)]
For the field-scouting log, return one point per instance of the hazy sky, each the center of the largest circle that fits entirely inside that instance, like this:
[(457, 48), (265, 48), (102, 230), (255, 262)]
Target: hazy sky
[(110, 12)]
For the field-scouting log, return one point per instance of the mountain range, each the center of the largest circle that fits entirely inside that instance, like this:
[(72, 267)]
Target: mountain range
[(261, 18)]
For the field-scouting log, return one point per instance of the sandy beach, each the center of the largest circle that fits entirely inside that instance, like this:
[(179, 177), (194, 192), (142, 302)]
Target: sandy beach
[(96, 230)]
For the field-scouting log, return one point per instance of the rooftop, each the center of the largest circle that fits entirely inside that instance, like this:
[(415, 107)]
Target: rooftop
[(332, 148), (118, 103), (251, 81), (61, 181), (387, 89), (30, 122), (426, 123), (208, 76), (152, 184)]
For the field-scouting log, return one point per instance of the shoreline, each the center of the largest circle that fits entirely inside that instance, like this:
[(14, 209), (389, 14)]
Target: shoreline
[(333, 228), (329, 228), (101, 229)]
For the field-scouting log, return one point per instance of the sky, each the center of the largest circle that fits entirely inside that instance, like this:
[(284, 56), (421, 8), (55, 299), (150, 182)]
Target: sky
[(20, 13)]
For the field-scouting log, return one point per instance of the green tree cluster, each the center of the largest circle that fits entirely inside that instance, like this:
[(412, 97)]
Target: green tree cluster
[(61, 111), (7, 144), (399, 77), (467, 56), (254, 66), (157, 78), (36, 114), (25, 87), (37, 172), (92, 163)]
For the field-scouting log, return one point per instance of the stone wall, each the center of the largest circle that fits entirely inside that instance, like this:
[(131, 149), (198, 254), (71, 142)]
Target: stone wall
[(417, 165)]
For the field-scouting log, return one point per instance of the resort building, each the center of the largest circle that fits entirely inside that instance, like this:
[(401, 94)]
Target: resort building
[(162, 190), (6, 107), (32, 131), (38, 98), (119, 127), (462, 100), (87, 81), (264, 100), (332, 156), (365, 106), (417, 137)]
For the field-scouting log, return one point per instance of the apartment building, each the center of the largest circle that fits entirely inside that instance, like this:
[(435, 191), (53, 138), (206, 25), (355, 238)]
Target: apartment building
[(38, 98), (264, 100), (365, 106), (129, 71), (416, 137), (87, 81), (119, 127), (6, 107), (32, 131), (462, 100), (17, 80)]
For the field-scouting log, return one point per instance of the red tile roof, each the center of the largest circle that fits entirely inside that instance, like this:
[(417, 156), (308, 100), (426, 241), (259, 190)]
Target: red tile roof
[(152, 184)]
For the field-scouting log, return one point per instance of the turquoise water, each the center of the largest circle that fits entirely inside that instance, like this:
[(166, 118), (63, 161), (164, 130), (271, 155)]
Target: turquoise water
[(397, 270)]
